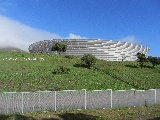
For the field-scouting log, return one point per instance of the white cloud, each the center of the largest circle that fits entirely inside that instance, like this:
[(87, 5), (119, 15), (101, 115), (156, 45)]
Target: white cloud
[(16, 34), (73, 36), (129, 38)]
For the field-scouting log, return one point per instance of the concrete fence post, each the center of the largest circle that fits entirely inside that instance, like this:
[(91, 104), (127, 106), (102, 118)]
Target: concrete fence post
[(22, 102), (6, 101), (85, 99), (155, 94), (55, 100), (111, 97), (134, 96)]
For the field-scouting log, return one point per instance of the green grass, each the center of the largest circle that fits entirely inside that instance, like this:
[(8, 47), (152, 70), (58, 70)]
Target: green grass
[(21, 75), (128, 113)]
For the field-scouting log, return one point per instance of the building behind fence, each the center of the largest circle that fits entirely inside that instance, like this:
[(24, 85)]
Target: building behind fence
[(20, 102)]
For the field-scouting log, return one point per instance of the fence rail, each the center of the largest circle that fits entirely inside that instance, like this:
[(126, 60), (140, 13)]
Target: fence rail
[(20, 102)]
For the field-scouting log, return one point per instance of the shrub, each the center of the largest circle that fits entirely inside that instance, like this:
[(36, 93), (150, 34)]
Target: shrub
[(61, 70), (88, 60), (69, 56)]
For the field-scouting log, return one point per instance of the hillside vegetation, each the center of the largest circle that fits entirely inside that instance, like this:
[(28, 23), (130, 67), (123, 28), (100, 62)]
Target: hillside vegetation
[(19, 74)]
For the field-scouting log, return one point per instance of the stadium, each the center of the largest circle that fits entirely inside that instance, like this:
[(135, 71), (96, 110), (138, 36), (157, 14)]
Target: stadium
[(102, 49)]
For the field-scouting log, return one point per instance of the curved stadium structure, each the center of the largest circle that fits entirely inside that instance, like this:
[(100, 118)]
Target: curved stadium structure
[(101, 49)]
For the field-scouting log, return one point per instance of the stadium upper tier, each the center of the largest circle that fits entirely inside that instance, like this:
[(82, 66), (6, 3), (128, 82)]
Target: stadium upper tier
[(101, 49)]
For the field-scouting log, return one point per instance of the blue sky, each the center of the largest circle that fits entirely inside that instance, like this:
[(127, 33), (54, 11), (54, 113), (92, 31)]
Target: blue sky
[(23, 22)]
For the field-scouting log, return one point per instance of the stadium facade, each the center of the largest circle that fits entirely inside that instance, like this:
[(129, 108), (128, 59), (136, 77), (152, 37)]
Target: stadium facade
[(102, 49)]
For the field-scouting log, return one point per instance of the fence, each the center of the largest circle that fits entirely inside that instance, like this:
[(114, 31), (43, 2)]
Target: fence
[(20, 102)]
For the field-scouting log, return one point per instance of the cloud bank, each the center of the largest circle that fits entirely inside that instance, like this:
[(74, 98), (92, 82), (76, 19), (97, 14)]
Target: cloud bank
[(19, 35)]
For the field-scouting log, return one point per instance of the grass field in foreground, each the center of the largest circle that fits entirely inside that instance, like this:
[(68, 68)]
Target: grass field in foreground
[(34, 75), (29, 75), (129, 113)]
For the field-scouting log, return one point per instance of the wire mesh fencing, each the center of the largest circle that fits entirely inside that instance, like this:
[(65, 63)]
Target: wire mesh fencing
[(20, 102)]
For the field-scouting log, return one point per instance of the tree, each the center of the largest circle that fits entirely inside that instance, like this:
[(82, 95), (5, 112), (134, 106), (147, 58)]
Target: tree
[(123, 58), (89, 60), (59, 47), (154, 60), (141, 59)]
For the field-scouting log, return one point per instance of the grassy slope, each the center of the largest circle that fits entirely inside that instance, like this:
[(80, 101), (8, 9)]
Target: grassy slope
[(37, 75), (21, 75)]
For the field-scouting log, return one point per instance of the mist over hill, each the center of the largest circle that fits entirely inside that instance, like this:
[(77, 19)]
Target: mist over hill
[(11, 48)]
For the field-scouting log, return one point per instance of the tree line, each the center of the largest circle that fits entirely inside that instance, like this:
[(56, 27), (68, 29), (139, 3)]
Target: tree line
[(141, 58)]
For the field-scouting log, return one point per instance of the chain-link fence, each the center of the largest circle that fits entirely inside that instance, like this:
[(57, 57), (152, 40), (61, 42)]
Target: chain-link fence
[(20, 102)]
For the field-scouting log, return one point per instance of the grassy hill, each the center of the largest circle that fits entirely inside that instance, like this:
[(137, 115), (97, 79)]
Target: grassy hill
[(19, 74)]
